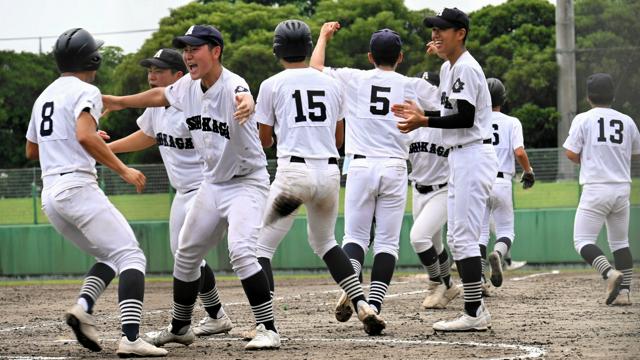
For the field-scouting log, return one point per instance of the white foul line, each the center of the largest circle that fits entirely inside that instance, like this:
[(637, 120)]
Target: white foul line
[(553, 272), (33, 358)]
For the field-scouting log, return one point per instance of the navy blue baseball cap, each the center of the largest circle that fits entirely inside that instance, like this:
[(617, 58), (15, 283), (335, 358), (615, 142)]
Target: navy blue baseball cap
[(166, 59), (600, 85), (385, 41), (447, 19), (199, 35)]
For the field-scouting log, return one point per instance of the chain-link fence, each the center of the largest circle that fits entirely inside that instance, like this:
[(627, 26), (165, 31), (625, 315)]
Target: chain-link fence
[(20, 190)]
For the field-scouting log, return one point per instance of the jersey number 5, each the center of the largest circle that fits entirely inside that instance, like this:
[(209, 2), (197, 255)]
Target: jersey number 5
[(377, 99), (616, 137), (313, 104), (46, 126)]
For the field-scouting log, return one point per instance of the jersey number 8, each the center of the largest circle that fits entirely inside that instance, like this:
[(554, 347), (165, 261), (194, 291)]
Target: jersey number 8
[(46, 126)]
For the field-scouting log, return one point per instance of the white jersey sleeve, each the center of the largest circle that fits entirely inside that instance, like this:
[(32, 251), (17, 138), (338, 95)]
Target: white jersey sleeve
[(343, 75), (90, 99), (575, 140), (32, 135), (466, 85), (145, 122), (428, 95), (177, 92), (517, 139), (264, 105), (635, 147)]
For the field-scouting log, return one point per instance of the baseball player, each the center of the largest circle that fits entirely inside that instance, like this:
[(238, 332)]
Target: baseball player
[(429, 176), (602, 140), (62, 134), (377, 174), (508, 143), (304, 107), (465, 117), (217, 105), (166, 128)]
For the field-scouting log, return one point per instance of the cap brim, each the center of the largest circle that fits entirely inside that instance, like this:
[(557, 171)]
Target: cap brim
[(181, 42), (155, 62), (437, 22)]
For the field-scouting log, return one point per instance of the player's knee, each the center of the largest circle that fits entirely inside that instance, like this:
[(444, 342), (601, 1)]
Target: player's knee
[(320, 248), (420, 243), (265, 251), (579, 242), (245, 266), (132, 258), (363, 243), (390, 249), (615, 245), (186, 267)]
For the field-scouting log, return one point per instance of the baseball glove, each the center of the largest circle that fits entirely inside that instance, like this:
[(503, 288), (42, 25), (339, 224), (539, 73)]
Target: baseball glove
[(527, 179)]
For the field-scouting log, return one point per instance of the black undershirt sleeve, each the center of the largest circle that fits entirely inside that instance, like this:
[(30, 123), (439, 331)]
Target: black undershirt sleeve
[(461, 120), (431, 113)]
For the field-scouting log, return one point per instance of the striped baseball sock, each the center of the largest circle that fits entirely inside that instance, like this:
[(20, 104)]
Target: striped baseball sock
[(624, 263), (469, 270), (184, 299), (209, 292), (96, 280), (256, 287), (356, 255), (429, 259), (595, 257), (445, 268), (381, 274), (130, 297), (343, 272)]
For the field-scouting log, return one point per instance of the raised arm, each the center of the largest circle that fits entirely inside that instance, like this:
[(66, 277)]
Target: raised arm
[(326, 33), (151, 98)]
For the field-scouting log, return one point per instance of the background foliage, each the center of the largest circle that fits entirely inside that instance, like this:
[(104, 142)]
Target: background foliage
[(514, 41)]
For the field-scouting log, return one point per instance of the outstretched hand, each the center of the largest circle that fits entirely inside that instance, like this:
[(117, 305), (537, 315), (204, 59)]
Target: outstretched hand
[(110, 103), (244, 108), (329, 28), (135, 178), (413, 117)]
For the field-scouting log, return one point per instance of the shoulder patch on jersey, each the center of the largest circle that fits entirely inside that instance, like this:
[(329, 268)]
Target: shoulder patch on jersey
[(458, 86), (240, 89)]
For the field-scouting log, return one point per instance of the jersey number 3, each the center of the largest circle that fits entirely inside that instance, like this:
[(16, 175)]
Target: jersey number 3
[(320, 115), (616, 137), (496, 136), (46, 126)]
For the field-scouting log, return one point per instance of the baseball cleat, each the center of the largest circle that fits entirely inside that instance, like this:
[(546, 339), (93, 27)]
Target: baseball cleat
[(514, 265), (496, 268), (465, 322), (166, 336), (373, 323), (84, 326), (434, 291), (138, 348), (248, 335), (623, 298), (447, 296), (614, 280), (486, 289), (264, 339), (211, 326), (343, 310)]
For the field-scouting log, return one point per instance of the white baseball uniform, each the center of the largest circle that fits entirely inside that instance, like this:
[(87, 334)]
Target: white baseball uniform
[(472, 162), (181, 160), (377, 174), (236, 181), (507, 137), (71, 198), (303, 106), (605, 140)]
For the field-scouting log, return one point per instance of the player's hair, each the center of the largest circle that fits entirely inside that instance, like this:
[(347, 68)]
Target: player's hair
[(385, 59), (294, 59), (212, 45), (466, 32), (601, 99)]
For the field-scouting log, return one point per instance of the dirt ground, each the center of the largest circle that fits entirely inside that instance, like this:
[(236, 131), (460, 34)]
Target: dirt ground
[(535, 315)]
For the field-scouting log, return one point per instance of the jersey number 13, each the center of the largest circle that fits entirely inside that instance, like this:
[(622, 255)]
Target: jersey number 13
[(616, 137)]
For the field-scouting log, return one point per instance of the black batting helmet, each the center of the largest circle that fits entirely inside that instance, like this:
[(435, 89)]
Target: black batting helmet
[(497, 91), (77, 50), (292, 39)]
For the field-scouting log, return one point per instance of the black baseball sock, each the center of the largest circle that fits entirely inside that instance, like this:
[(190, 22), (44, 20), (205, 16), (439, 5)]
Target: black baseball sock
[(343, 273), (266, 267), (429, 259), (383, 266), (256, 288), (595, 257), (209, 292), (470, 272), (96, 280), (184, 298), (445, 267), (624, 264), (130, 297), (356, 256)]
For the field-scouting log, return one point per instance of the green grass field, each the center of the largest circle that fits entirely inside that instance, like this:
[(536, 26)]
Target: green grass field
[(156, 206)]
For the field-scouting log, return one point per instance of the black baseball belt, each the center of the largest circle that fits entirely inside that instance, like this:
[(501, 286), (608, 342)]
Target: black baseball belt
[(500, 174), (425, 189), (297, 159), (485, 141)]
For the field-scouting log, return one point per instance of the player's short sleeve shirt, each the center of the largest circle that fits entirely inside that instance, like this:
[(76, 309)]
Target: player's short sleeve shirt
[(53, 125), (507, 136), (428, 157), (228, 149), (183, 163), (303, 106), (465, 80), (605, 140), (370, 125)]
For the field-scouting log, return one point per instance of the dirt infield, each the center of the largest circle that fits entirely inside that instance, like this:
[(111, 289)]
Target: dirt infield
[(535, 315)]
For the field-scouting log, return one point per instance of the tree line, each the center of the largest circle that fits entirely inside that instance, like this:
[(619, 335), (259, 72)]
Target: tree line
[(514, 41)]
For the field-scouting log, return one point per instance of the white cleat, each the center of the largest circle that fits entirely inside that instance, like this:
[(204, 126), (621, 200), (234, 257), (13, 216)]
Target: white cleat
[(264, 339), (166, 336), (373, 323), (614, 280), (447, 296), (623, 298), (210, 326), (482, 322), (515, 265), (343, 309), (435, 289), (84, 326), (138, 348)]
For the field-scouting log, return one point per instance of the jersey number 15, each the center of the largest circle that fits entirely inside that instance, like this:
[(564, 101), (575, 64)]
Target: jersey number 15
[(316, 116)]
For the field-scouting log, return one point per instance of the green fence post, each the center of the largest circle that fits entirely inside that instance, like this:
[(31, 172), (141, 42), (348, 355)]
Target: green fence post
[(34, 196)]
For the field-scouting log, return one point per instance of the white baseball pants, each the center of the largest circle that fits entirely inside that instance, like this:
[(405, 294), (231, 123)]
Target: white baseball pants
[(500, 206), (429, 215)]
